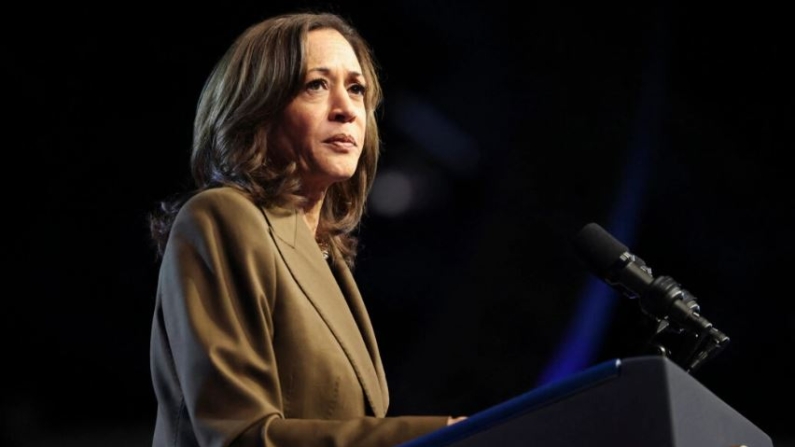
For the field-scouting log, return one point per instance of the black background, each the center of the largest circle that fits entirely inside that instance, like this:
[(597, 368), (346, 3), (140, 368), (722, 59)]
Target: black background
[(515, 126)]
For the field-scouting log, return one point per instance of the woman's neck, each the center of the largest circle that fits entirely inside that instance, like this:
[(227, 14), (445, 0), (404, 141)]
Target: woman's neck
[(311, 211)]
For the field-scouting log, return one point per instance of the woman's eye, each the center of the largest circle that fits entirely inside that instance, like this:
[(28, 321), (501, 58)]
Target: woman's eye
[(358, 89), (316, 84)]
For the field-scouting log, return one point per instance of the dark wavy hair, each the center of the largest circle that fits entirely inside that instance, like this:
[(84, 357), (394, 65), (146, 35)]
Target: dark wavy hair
[(242, 99)]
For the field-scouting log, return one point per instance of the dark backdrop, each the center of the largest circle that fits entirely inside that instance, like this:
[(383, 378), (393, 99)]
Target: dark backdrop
[(506, 128)]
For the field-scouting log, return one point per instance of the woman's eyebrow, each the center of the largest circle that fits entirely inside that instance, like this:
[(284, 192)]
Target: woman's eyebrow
[(326, 71)]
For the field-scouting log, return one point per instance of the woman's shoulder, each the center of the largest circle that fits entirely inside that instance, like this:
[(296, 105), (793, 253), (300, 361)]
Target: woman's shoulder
[(230, 205), (220, 220), (219, 196), (222, 203)]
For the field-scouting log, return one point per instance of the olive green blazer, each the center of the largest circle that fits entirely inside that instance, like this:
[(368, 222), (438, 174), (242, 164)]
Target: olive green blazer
[(256, 340)]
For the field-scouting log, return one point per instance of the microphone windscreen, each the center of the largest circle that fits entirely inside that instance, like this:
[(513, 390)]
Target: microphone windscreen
[(598, 249)]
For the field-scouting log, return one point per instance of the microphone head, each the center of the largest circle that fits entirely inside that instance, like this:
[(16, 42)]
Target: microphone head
[(598, 249)]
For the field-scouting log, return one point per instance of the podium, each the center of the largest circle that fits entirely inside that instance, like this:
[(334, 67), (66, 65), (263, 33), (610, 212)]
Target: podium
[(645, 401)]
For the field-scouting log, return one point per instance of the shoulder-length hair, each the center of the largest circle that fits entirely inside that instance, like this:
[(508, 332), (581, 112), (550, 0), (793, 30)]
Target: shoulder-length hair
[(241, 101)]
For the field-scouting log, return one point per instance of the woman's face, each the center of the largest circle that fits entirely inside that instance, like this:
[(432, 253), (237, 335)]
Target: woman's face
[(324, 125)]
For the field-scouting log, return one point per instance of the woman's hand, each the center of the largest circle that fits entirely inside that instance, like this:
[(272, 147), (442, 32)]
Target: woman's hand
[(452, 420)]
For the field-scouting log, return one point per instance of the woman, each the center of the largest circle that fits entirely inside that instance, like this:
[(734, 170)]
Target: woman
[(260, 335)]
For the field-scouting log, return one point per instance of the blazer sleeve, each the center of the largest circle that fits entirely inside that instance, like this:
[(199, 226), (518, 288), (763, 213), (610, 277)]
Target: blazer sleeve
[(213, 362)]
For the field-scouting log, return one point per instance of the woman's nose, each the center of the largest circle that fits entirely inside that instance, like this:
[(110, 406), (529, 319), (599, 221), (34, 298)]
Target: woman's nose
[(343, 108)]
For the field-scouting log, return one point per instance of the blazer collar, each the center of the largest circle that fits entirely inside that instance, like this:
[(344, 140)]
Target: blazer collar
[(339, 303)]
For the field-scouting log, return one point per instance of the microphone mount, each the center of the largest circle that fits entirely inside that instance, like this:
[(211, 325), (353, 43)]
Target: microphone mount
[(676, 310)]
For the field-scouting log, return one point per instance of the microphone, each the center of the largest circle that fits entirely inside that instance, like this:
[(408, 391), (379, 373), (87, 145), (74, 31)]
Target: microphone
[(661, 297)]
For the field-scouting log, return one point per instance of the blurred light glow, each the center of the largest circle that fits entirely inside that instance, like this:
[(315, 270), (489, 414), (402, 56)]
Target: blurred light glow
[(436, 134), (392, 194), (585, 335)]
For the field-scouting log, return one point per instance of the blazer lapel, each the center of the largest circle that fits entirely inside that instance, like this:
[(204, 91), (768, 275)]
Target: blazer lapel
[(310, 270), (351, 291)]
